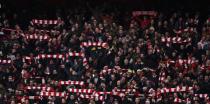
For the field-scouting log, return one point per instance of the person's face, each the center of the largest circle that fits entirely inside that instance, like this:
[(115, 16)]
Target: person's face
[(196, 102), (94, 22), (97, 30), (147, 101), (10, 79), (150, 51), (113, 77), (116, 102), (72, 97), (137, 100), (188, 78), (126, 61), (182, 47), (12, 102), (120, 27), (27, 101), (114, 24), (159, 23), (54, 72), (117, 59), (118, 83), (89, 26), (77, 25), (120, 31), (51, 61), (165, 23), (85, 24), (95, 80), (142, 55), (103, 85), (180, 75), (152, 21), (146, 31), (130, 49), (138, 50), (131, 25), (171, 20), (63, 101), (173, 54), (206, 78), (123, 79), (132, 31), (100, 26), (119, 53)]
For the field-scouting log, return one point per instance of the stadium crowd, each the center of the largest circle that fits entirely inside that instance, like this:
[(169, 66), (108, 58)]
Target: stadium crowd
[(150, 58)]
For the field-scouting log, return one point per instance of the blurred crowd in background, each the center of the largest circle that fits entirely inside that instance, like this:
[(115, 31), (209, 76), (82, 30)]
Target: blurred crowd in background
[(145, 53)]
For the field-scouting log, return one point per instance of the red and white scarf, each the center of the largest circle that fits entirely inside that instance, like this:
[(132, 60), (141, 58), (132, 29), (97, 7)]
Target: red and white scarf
[(5, 61), (124, 90), (57, 94), (186, 62), (180, 62), (56, 56), (50, 56), (94, 44), (157, 93), (205, 96), (144, 13), (177, 89), (101, 98), (29, 97), (162, 76), (93, 92), (119, 70), (86, 91), (188, 30), (85, 62), (203, 67), (47, 31), (39, 88), (8, 29), (37, 37), (113, 70), (69, 82), (178, 100), (45, 22), (175, 40)]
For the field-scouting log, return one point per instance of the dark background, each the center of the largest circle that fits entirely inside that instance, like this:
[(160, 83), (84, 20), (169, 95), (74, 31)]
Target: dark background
[(36, 8), (29, 9), (163, 5)]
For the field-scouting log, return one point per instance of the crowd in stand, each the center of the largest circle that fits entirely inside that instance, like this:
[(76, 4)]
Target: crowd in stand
[(74, 59)]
